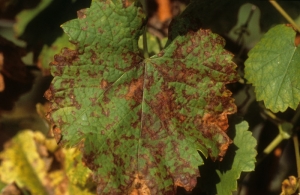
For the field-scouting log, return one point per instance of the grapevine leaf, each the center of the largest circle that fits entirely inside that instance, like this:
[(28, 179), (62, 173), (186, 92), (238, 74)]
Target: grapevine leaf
[(39, 26), (74, 178), (153, 43), (244, 160), (26, 160), (47, 53), (221, 177), (2, 185), (272, 68), (21, 163), (15, 78), (24, 17), (140, 121), (77, 173)]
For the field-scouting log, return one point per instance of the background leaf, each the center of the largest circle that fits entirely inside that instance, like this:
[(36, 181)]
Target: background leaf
[(140, 122), (40, 166), (244, 160), (16, 77), (21, 163), (221, 177), (272, 68), (24, 17)]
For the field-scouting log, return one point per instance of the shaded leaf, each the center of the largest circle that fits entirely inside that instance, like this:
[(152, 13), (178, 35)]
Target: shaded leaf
[(2, 185), (244, 160), (40, 25), (140, 121), (221, 177), (153, 43), (25, 16), (11, 189), (16, 79), (272, 68)]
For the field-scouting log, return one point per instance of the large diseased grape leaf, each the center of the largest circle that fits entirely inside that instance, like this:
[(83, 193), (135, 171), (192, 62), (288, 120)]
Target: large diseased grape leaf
[(273, 68), (140, 121)]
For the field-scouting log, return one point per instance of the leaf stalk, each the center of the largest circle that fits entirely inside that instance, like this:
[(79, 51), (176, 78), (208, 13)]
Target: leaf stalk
[(145, 46), (296, 146), (284, 14)]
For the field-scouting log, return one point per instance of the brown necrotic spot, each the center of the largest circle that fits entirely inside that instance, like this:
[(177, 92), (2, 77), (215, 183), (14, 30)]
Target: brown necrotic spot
[(48, 94), (94, 56), (139, 186), (89, 160), (92, 74), (100, 30), (135, 90), (103, 84), (57, 134), (74, 102), (81, 14), (94, 101)]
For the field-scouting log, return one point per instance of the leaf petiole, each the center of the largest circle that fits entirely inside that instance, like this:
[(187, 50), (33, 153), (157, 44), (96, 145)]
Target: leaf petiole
[(145, 46), (284, 14)]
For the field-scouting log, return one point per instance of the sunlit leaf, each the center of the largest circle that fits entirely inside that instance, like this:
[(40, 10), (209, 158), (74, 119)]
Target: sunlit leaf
[(140, 122), (273, 67)]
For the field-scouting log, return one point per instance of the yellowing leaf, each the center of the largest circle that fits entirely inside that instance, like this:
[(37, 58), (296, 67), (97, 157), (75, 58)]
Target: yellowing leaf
[(26, 160), (21, 163)]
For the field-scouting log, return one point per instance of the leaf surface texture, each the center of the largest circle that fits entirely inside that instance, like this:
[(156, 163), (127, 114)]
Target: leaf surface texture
[(273, 67), (140, 122)]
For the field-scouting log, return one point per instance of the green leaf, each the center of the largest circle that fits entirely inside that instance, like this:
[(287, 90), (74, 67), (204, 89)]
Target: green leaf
[(47, 53), (2, 185), (273, 67), (244, 160), (140, 121), (25, 16), (153, 43), (221, 177)]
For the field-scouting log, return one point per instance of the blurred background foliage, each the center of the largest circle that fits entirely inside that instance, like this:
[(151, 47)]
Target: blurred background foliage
[(30, 35)]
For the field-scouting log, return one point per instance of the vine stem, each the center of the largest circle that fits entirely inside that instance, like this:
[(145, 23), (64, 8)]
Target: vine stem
[(296, 146), (145, 46), (276, 141), (284, 14)]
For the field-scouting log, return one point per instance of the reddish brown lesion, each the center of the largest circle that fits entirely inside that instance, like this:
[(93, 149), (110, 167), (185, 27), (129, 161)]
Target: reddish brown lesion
[(103, 84), (163, 105), (81, 14), (48, 94), (135, 90), (138, 186)]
